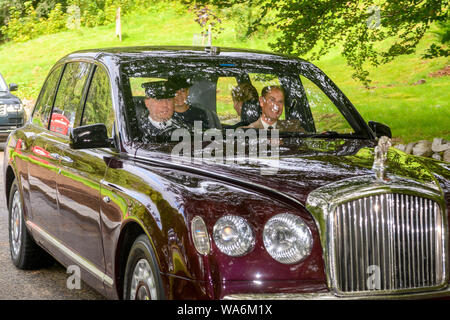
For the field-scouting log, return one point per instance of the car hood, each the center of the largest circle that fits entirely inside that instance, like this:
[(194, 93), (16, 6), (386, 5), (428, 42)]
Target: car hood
[(307, 164), (8, 98)]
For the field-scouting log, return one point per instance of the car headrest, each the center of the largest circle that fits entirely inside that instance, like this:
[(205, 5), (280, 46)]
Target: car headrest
[(251, 111), (141, 109)]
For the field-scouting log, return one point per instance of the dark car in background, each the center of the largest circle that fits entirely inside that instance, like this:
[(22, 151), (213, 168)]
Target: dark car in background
[(325, 211), (12, 114)]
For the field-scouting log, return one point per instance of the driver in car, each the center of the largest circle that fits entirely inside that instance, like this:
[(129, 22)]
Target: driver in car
[(159, 101)]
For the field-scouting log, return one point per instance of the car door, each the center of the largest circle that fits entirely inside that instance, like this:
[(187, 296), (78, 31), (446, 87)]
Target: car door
[(42, 166), (78, 182)]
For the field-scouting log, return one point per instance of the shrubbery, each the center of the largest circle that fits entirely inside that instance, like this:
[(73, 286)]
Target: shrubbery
[(32, 18), (27, 21), (249, 19)]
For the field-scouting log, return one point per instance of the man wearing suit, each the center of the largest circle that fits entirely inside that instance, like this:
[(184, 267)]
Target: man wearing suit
[(159, 123), (272, 104)]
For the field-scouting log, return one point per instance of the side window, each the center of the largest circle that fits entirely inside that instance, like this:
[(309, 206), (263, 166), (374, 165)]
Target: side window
[(67, 107), (43, 106), (325, 114), (98, 108)]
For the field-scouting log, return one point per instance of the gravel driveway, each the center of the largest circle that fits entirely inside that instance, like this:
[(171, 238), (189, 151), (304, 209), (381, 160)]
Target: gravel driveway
[(48, 283)]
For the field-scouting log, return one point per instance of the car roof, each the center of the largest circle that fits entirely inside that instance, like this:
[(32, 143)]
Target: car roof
[(180, 51)]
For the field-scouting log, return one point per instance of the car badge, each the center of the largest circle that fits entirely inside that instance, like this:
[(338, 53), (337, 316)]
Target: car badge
[(380, 159)]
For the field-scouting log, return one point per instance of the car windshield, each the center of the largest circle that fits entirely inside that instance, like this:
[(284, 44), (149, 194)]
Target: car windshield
[(3, 85), (230, 95)]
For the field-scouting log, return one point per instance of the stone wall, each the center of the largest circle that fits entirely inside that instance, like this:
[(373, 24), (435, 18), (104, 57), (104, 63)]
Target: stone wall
[(438, 149)]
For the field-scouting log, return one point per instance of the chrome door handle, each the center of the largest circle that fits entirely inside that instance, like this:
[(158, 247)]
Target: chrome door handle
[(55, 156), (61, 158), (66, 159)]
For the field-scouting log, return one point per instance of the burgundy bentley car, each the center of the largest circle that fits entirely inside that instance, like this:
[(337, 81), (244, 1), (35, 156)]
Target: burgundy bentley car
[(217, 173)]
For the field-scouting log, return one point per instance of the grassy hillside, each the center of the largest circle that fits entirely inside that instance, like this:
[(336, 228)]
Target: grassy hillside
[(414, 111)]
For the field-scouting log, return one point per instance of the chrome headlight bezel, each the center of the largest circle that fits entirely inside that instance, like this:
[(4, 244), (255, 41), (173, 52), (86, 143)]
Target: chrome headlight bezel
[(233, 236), (293, 235)]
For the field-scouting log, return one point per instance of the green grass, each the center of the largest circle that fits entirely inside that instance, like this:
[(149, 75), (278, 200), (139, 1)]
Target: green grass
[(412, 111)]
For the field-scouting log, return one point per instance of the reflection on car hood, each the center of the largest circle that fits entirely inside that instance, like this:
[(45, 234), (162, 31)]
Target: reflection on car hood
[(308, 164), (8, 98)]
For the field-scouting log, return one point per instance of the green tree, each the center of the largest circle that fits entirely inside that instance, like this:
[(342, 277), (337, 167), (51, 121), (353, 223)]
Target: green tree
[(440, 48), (370, 32)]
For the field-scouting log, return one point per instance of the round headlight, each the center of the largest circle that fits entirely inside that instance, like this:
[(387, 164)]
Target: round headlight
[(200, 235), (287, 238), (233, 236)]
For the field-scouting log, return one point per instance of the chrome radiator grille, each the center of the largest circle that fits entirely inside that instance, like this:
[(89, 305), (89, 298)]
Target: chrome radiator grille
[(387, 242)]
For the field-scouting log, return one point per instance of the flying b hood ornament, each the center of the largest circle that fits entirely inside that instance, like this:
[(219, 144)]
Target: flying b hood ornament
[(380, 159)]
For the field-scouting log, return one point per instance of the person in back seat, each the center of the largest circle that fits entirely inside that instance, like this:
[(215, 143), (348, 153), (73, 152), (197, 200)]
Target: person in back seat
[(246, 104), (243, 92), (184, 110)]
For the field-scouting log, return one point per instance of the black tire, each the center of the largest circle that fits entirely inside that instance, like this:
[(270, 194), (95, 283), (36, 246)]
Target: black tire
[(142, 253), (25, 253)]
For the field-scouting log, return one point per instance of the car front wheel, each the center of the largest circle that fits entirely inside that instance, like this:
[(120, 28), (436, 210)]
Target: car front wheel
[(142, 279)]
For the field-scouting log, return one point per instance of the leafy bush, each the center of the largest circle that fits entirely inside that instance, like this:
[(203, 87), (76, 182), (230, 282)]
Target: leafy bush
[(249, 18), (56, 20), (24, 22), (22, 28), (442, 34)]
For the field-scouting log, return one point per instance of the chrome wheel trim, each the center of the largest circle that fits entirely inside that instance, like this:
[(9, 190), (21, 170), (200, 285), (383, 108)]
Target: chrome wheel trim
[(143, 284), (16, 225)]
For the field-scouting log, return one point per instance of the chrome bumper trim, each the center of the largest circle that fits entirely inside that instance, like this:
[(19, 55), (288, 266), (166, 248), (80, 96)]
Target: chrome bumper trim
[(72, 255), (330, 296)]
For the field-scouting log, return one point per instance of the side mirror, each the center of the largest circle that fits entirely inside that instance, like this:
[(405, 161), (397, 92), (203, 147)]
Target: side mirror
[(13, 87), (380, 129), (90, 136)]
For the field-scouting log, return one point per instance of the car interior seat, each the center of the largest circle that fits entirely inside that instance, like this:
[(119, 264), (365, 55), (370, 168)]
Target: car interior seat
[(141, 109), (202, 94), (250, 112)]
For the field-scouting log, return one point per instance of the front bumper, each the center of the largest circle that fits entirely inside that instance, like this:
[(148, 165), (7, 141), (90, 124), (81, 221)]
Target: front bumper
[(444, 293)]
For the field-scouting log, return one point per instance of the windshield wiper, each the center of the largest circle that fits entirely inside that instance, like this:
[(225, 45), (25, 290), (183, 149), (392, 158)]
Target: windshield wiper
[(326, 134)]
